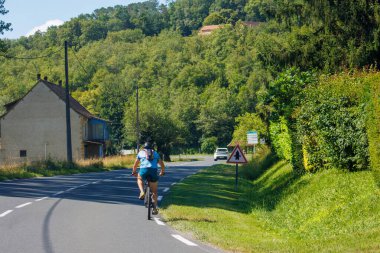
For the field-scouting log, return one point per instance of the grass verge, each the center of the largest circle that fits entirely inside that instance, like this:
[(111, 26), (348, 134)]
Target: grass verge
[(50, 168), (330, 211)]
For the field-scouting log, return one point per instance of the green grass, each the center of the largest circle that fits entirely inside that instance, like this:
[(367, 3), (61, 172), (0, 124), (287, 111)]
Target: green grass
[(330, 211)]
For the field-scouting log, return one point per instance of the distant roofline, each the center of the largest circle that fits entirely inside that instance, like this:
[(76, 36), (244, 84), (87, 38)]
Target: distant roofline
[(61, 93), (207, 29)]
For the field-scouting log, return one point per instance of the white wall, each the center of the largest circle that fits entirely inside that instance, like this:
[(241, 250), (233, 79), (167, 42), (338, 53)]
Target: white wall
[(37, 124)]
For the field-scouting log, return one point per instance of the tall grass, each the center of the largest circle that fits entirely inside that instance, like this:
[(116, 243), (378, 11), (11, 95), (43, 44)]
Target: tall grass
[(263, 159), (54, 167)]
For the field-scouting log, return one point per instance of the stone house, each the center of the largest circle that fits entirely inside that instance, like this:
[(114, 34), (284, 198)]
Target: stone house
[(33, 128)]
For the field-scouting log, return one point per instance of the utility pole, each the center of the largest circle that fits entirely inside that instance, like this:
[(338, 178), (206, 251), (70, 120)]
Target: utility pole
[(68, 123), (137, 119)]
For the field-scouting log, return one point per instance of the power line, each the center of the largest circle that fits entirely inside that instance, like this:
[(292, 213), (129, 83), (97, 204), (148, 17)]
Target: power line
[(30, 57), (80, 64)]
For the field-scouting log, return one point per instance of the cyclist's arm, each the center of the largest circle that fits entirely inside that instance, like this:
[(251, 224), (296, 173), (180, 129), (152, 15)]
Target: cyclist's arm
[(135, 165), (161, 163)]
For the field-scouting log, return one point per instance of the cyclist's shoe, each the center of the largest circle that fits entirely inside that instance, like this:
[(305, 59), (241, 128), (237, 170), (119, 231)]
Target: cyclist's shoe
[(142, 195), (155, 211)]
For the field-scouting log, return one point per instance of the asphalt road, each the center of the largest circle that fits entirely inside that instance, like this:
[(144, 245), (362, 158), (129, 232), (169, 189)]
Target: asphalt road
[(95, 213)]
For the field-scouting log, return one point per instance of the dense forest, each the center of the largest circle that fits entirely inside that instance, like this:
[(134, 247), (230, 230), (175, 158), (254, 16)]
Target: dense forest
[(198, 92)]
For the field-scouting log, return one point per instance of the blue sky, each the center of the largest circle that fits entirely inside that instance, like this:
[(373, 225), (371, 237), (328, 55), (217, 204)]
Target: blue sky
[(28, 15)]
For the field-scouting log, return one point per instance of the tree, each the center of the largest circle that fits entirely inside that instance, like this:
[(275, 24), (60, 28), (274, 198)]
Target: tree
[(188, 15), (248, 122), (155, 121), (3, 25), (214, 19), (217, 113)]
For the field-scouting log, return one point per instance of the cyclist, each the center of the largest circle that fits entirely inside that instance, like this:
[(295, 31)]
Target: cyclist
[(148, 159)]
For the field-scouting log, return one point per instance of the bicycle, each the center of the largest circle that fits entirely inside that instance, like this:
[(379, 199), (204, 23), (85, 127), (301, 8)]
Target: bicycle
[(148, 200)]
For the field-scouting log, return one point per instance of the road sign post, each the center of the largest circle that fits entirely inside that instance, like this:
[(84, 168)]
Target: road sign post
[(236, 176), (237, 156)]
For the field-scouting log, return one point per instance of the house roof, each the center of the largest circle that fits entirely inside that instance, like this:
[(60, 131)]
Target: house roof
[(61, 93), (208, 29)]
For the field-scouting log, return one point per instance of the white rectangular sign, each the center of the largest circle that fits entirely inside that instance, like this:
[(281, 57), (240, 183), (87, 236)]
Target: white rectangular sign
[(252, 137)]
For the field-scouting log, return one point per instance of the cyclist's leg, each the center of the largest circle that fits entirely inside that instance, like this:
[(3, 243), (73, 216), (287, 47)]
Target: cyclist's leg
[(140, 183), (153, 187)]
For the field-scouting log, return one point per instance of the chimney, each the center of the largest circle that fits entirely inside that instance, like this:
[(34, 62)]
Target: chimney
[(38, 77), (60, 83), (45, 78)]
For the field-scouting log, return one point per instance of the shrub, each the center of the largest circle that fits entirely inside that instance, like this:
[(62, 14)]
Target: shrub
[(284, 98), (209, 144), (281, 141), (332, 127)]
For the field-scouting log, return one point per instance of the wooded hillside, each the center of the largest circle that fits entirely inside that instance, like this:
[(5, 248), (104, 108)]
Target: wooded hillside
[(192, 87)]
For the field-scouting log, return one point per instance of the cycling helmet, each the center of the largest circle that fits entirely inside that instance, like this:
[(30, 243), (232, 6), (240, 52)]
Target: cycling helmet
[(148, 145)]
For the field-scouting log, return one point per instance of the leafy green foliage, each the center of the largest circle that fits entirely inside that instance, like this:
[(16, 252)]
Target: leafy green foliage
[(188, 15), (209, 144), (372, 108), (201, 84), (3, 25), (285, 93), (248, 122), (155, 122), (332, 125), (284, 96), (281, 140), (217, 114)]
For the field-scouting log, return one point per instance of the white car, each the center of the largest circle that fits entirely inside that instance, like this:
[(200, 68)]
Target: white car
[(221, 153)]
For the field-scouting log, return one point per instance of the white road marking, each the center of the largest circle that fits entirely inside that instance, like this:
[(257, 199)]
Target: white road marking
[(174, 183), (157, 220), (5, 213), (41, 199), (83, 185), (71, 189), (185, 241), (159, 198), (26, 204), (55, 194), (166, 189)]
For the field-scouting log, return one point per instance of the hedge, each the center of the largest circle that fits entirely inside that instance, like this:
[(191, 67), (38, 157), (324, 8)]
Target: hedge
[(335, 125), (372, 95)]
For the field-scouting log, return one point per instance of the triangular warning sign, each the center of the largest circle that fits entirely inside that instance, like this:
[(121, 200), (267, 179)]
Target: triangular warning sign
[(237, 156)]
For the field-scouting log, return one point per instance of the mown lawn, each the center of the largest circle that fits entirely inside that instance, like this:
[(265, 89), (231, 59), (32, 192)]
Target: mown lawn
[(330, 211)]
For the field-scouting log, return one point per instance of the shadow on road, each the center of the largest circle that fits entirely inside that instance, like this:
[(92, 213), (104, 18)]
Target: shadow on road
[(115, 187)]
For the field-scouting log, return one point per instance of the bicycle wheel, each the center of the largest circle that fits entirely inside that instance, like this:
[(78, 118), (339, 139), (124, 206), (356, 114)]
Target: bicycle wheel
[(146, 196), (149, 202)]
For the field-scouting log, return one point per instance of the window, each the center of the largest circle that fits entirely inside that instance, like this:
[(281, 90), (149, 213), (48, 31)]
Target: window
[(22, 153)]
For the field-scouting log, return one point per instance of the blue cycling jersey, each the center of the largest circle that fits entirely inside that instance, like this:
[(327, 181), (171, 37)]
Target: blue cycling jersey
[(144, 162)]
